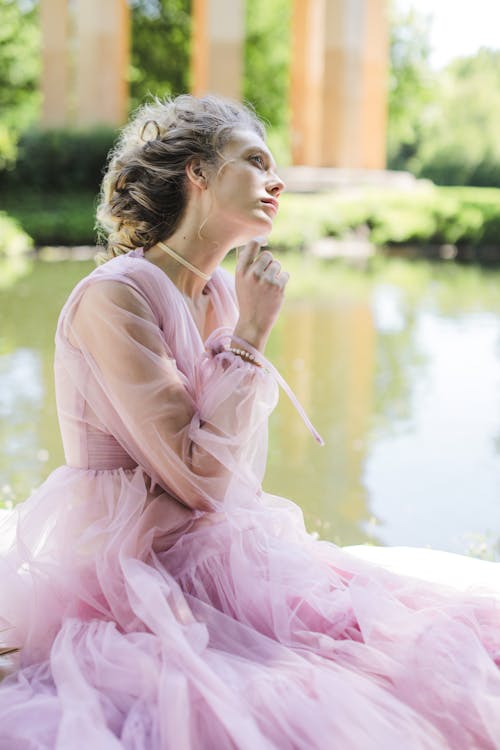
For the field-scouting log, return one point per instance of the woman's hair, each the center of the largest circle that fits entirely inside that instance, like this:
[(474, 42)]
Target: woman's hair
[(143, 192)]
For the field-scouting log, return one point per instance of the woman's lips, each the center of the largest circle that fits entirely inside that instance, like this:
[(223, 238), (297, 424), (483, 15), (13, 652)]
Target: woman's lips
[(272, 203)]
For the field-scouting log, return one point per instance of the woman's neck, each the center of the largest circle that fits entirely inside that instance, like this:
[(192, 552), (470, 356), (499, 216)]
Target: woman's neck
[(205, 254), (187, 281)]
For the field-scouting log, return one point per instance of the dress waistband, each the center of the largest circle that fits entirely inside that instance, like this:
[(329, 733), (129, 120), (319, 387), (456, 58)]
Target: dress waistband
[(104, 452)]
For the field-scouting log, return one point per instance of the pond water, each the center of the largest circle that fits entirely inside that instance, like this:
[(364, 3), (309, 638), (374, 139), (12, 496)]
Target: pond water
[(397, 367)]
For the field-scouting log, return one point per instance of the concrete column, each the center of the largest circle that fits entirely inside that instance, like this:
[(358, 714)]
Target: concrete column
[(376, 84), (349, 115), (355, 84), (102, 54), (55, 69), (217, 47), (307, 75)]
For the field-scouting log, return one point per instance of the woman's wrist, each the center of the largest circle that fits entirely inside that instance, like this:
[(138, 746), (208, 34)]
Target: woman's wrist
[(246, 334)]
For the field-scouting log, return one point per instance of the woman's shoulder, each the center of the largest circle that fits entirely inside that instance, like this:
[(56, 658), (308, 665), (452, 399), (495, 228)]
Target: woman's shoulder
[(127, 265), (134, 270), (123, 270)]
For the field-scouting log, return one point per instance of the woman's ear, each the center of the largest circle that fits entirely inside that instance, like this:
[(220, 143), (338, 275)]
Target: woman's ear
[(196, 173)]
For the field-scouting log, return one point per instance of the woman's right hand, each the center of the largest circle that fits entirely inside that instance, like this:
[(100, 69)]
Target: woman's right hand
[(260, 287)]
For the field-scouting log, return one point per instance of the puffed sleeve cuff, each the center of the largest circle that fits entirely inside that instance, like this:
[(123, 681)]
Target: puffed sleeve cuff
[(216, 347), (218, 342)]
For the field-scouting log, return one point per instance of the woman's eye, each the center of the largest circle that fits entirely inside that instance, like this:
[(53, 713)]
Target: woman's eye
[(257, 158)]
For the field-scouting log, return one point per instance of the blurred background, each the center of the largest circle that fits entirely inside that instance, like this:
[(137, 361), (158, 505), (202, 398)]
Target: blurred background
[(384, 120)]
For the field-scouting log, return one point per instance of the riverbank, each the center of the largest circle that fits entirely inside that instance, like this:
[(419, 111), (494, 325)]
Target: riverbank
[(353, 223)]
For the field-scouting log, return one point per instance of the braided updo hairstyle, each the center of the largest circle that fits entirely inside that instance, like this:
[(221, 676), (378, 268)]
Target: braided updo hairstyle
[(143, 192)]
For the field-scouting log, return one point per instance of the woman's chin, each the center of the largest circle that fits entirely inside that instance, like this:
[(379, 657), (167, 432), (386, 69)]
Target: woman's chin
[(260, 231), (258, 236)]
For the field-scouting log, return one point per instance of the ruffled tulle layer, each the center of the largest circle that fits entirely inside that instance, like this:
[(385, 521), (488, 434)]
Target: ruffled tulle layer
[(145, 626)]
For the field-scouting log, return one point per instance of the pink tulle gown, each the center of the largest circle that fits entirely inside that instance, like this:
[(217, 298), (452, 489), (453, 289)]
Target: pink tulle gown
[(146, 624)]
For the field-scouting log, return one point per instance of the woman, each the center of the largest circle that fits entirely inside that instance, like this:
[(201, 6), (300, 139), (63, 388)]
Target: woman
[(159, 598)]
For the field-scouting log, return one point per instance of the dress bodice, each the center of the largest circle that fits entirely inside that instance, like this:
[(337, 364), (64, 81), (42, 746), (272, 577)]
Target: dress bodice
[(87, 441)]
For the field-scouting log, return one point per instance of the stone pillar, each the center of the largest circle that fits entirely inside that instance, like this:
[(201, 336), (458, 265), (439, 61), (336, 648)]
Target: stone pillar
[(101, 56), (355, 84), (307, 75), (376, 78), (217, 47), (54, 25), (348, 118)]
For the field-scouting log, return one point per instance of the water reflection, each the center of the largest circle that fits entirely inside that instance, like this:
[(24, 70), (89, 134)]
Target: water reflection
[(440, 480), (400, 380), (327, 354), (29, 310), (21, 399)]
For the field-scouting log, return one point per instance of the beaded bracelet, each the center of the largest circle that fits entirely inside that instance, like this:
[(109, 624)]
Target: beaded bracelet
[(248, 356)]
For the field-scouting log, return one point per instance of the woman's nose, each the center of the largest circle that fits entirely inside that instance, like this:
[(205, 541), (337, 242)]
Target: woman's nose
[(275, 185)]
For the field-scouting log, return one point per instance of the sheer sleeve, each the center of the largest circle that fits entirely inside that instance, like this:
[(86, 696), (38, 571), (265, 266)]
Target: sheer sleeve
[(191, 438)]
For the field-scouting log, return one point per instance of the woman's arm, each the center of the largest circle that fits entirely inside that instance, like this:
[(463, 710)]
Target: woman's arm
[(190, 439)]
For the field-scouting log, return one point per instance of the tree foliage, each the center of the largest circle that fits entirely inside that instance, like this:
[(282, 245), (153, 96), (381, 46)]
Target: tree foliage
[(19, 72), (160, 48), (443, 124), (460, 144), (412, 86), (267, 59)]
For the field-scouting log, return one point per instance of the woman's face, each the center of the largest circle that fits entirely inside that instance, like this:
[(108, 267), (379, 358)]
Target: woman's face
[(245, 188)]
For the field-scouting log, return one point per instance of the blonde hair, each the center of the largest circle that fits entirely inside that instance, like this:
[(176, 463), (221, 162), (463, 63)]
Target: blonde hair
[(143, 192)]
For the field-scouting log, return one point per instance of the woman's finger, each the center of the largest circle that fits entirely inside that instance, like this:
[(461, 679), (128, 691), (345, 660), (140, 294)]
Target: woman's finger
[(273, 269), (248, 254), (263, 261), (279, 280)]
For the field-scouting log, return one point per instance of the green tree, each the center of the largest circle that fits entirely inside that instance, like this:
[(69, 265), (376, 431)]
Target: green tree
[(19, 72), (412, 86), (460, 144), (160, 48), (267, 59)]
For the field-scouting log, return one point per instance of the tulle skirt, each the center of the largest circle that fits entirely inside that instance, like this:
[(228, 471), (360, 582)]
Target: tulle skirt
[(145, 626)]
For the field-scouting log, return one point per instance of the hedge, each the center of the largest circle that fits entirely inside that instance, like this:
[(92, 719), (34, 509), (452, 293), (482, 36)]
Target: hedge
[(64, 218), (464, 217), (59, 159), (428, 215)]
